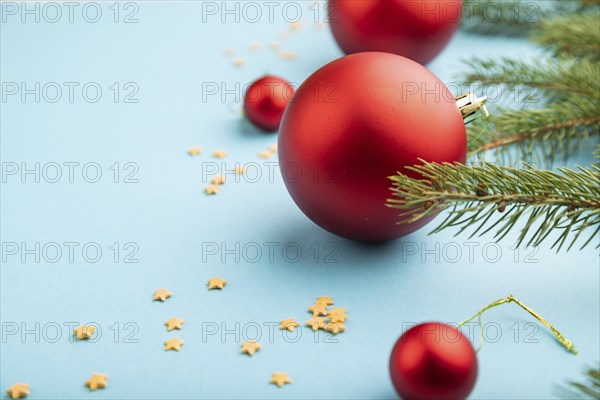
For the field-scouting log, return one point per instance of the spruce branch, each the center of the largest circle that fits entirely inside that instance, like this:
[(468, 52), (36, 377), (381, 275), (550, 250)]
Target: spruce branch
[(556, 101), (557, 35), (493, 197), (587, 389)]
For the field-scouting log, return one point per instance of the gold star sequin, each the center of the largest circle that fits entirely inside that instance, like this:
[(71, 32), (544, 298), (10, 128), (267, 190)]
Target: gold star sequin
[(240, 170), (216, 283), (280, 379), (288, 55), (18, 390), (325, 299), (228, 52), (218, 180), (240, 62), (337, 318), (174, 323), (264, 154), (289, 324), (335, 328), (318, 309), (296, 26), (195, 151), (84, 331), (282, 34), (220, 154), (250, 347), (173, 344), (273, 148), (316, 323), (97, 381), (162, 294), (275, 45), (255, 46), (211, 189)]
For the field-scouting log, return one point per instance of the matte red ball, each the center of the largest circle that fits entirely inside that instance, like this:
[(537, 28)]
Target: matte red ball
[(433, 361), (418, 30), (265, 101), (352, 124)]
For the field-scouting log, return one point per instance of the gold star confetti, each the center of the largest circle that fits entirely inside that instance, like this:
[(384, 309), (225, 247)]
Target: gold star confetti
[(273, 148), (320, 25), (325, 299), (337, 310), (240, 170), (316, 323), (97, 381), (250, 347), (280, 379), (195, 151), (240, 62), (255, 46), (162, 294), (275, 45), (220, 154), (289, 324), (282, 34), (296, 26), (216, 283), (265, 154), (335, 328), (318, 309), (211, 189), (173, 344), (228, 52), (18, 390), (336, 318), (218, 180), (288, 55), (84, 331), (174, 323)]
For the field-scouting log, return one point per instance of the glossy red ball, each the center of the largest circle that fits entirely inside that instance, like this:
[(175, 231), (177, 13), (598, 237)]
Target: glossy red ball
[(433, 361), (265, 101), (351, 125), (418, 30)]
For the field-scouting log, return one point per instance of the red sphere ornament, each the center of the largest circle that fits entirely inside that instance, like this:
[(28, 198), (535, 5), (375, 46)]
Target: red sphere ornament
[(351, 125), (418, 30), (433, 361), (265, 101)]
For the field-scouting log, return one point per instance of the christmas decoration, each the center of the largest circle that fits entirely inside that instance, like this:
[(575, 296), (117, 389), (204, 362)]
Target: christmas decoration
[(265, 100), (358, 120), (563, 123), (588, 389), (568, 201), (559, 95), (417, 30), (434, 360)]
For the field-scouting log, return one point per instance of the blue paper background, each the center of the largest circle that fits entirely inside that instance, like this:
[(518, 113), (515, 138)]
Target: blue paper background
[(169, 53)]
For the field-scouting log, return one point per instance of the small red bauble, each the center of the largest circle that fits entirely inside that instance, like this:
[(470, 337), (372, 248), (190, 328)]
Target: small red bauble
[(433, 361), (418, 30), (351, 125), (265, 101)]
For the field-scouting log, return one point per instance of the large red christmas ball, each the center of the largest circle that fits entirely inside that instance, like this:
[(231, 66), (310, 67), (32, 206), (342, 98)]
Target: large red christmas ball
[(433, 361), (418, 30), (351, 125), (265, 101)]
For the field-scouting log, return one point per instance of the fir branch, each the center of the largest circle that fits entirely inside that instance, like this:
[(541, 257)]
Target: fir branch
[(564, 89), (567, 201), (588, 389), (493, 17), (557, 35)]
